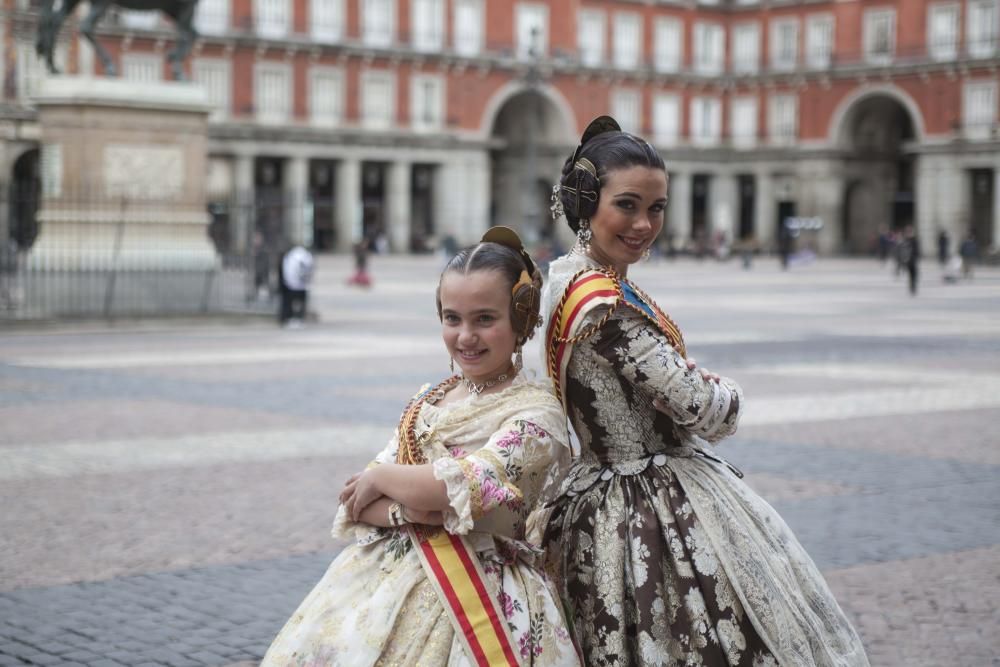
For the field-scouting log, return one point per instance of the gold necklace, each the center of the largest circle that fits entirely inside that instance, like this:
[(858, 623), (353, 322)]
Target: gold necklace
[(479, 388)]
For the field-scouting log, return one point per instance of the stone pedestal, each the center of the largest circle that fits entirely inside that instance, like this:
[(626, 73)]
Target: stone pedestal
[(123, 177)]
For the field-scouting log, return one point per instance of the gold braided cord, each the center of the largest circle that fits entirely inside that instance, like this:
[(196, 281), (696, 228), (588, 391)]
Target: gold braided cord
[(667, 326), (410, 450)]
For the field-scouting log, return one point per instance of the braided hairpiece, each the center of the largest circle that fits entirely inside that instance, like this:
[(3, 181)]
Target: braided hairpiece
[(525, 294), (585, 190)]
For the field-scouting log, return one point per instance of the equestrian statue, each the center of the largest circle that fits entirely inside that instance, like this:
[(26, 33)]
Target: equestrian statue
[(54, 12)]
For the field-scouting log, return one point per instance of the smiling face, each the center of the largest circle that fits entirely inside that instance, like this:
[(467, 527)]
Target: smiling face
[(629, 215), (475, 322)]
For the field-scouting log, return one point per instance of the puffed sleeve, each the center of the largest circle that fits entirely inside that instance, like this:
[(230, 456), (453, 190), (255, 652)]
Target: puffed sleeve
[(363, 533), (646, 359), (490, 477)]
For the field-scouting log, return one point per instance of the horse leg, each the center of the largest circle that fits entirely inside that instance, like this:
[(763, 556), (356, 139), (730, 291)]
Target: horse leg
[(48, 30), (186, 35), (97, 10)]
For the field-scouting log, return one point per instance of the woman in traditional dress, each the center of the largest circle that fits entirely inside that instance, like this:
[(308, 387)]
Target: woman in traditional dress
[(664, 556), (440, 573)]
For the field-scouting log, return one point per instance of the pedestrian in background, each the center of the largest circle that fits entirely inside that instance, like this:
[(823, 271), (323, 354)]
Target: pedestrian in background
[(908, 255), (943, 246), (361, 278), (296, 273), (969, 250)]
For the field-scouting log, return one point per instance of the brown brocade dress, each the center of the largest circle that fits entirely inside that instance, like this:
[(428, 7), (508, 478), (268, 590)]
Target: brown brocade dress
[(665, 556)]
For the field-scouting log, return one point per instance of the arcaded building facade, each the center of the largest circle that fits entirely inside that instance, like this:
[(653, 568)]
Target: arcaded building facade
[(418, 119)]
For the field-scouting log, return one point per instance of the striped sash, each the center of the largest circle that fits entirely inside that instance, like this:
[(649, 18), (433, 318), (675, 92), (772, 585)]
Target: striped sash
[(586, 290), (453, 567)]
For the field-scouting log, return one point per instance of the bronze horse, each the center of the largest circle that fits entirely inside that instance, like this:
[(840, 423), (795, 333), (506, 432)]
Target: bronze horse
[(52, 17)]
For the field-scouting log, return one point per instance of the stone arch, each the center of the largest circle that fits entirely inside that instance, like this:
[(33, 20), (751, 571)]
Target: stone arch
[(874, 130), (512, 89), (530, 131), (24, 191)]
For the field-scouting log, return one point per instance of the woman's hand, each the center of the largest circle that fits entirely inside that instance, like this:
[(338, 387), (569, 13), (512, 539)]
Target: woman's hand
[(705, 374)]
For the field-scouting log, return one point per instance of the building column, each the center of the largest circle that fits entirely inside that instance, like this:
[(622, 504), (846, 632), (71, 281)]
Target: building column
[(723, 205), (764, 223), (477, 196), (398, 199), (995, 241), (679, 209), (928, 220), (446, 216), (298, 226), (348, 203), (241, 220)]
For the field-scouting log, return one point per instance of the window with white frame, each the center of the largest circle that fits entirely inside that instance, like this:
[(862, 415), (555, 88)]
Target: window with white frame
[(427, 102), (668, 44), (784, 44), (942, 30), (783, 118), (142, 67), (215, 74), (30, 70), (211, 17), (819, 40), (273, 18), (628, 40), (979, 108), (378, 99), (326, 20), (139, 20), (378, 22), (626, 108), (326, 96), (880, 35), (532, 30), (427, 24), (746, 47), (467, 27), (709, 48), (590, 36), (981, 30), (743, 121), (666, 119), (705, 121), (272, 92)]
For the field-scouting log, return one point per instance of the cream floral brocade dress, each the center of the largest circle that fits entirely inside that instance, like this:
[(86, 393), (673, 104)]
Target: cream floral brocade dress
[(665, 556), (375, 605)]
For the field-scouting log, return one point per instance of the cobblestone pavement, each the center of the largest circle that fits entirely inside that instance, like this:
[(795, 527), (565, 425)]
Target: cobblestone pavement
[(167, 489)]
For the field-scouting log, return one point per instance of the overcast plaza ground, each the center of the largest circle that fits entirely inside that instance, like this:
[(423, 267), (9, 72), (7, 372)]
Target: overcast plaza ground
[(168, 489)]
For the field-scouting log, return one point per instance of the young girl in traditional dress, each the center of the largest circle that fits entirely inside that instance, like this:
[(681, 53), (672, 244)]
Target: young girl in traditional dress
[(440, 573)]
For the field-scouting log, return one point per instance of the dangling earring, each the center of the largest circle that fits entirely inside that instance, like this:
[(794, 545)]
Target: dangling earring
[(645, 254), (518, 360), (451, 363), (583, 235)]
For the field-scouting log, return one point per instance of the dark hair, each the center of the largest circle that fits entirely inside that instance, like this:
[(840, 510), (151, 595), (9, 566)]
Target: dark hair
[(608, 151), (488, 256)]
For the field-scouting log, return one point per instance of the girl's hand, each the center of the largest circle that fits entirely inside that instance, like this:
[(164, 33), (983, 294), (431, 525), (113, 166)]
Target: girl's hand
[(349, 485), (362, 493), (707, 376)]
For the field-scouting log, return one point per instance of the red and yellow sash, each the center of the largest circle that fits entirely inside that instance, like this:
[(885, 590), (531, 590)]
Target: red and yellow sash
[(454, 569), (586, 290)]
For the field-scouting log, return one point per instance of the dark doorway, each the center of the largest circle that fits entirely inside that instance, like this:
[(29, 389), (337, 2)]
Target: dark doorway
[(700, 186), (269, 200), (373, 216), (748, 206), (902, 203), (981, 219), (786, 209), (321, 195), (25, 188), (421, 207)]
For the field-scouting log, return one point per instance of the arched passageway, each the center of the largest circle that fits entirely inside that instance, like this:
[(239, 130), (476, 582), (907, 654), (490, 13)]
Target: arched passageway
[(877, 134)]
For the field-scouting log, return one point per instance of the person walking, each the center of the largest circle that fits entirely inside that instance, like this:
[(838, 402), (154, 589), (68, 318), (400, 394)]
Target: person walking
[(969, 251), (943, 247), (296, 274), (908, 254), (664, 555)]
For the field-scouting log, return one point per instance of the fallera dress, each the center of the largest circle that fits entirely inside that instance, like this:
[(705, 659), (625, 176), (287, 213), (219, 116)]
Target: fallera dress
[(664, 556), (377, 606)]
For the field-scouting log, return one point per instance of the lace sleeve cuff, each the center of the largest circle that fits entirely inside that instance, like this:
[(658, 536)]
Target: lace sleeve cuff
[(458, 518)]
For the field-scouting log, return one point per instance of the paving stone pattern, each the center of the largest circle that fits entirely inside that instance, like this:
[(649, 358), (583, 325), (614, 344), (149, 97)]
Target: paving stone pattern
[(168, 487)]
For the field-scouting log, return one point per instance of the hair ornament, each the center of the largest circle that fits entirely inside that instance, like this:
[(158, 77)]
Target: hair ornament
[(508, 237), (599, 125), (557, 206)]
